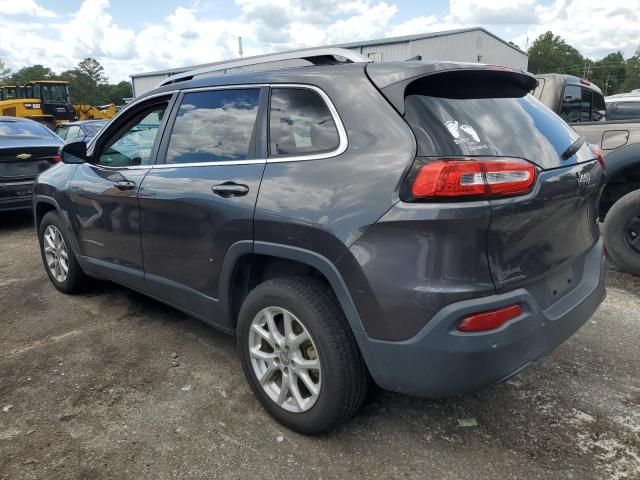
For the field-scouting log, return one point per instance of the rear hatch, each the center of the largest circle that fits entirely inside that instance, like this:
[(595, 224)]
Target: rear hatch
[(25, 163), (484, 114), (26, 150)]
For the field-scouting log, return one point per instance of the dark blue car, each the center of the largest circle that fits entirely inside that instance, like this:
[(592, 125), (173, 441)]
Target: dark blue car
[(27, 148)]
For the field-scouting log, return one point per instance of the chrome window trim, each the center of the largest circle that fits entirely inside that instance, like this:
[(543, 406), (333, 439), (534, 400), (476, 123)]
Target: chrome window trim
[(342, 133), (253, 161)]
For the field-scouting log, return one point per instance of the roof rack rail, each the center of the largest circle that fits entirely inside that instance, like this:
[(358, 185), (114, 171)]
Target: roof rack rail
[(316, 56)]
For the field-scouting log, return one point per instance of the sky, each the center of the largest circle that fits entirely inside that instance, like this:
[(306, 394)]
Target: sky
[(133, 36)]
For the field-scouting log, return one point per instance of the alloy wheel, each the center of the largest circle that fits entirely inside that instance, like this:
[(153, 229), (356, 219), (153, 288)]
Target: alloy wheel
[(55, 253), (285, 359)]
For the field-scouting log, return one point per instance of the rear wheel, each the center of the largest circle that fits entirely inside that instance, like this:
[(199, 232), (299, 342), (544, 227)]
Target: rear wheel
[(299, 355), (57, 256), (622, 232)]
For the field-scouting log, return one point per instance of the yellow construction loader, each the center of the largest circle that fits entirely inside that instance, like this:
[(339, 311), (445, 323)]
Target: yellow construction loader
[(47, 101)]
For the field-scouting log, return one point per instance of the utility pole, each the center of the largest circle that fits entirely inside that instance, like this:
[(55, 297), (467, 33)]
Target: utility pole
[(240, 46)]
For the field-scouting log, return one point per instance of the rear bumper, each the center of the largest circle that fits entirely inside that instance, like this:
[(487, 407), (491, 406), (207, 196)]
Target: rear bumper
[(16, 195), (441, 361)]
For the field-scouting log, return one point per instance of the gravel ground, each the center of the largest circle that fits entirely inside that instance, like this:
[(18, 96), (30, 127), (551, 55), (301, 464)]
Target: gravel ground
[(111, 384)]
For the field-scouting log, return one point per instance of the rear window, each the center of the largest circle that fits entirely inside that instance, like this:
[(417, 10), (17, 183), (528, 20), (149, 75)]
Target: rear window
[(24, 129), (519, 127), (300, 123)]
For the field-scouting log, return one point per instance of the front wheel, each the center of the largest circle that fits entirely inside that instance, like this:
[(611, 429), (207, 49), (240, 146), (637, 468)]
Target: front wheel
[(622, 232), (299, 355)]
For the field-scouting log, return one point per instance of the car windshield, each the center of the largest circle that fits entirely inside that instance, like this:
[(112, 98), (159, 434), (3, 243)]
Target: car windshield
[(23, 129), (93, 128)]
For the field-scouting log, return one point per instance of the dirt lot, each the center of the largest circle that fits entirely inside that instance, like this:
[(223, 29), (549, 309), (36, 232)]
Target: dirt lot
[(89, 389)]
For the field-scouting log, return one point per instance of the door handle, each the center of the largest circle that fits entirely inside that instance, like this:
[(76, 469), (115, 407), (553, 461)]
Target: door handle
[(125, 185), (230, 189)]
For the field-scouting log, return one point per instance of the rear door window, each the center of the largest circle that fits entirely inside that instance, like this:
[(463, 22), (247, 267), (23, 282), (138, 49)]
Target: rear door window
[(585, 109), (626, 111), (215, 126), (571, 107), (300, 123), (598, 108)]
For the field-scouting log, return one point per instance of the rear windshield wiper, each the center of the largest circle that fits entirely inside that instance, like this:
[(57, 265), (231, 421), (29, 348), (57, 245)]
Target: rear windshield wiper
[(573, 148)]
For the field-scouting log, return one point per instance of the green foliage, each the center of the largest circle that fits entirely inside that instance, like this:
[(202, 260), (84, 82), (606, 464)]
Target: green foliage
[(92, 69), (34, 72), (549, 53), (609, 73), (632, 73), (4, 71), (87, 82)]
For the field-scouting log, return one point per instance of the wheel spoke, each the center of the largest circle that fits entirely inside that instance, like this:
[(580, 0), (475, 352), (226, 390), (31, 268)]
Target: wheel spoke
[(273, 329), (260, 355), (49, 249), (264, 334), (295, 392), (64, 266), (288, 325), (284, 390), (49, 238), (296, 341), (268, 373), (305, 364), (63, 253), (306, 379), (635, 242)]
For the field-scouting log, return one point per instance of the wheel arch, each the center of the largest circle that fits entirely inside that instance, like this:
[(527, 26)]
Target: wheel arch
[(248, 263), (623, 176)]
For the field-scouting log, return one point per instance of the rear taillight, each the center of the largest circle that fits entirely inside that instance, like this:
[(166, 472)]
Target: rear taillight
[(598, 152), (481, 322), (56, 159), (473, 177)]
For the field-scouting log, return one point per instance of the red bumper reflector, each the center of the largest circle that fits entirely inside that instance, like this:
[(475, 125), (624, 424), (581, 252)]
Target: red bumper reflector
[(480, 322)]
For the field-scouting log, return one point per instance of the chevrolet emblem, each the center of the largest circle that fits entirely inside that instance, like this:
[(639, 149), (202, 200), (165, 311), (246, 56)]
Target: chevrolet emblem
[(23, 156)]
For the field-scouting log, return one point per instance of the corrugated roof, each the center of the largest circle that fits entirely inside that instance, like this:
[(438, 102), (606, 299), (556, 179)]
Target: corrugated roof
[(365, 43)]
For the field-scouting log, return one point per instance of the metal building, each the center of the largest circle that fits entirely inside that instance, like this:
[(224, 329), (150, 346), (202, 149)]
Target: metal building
[(475, 45)]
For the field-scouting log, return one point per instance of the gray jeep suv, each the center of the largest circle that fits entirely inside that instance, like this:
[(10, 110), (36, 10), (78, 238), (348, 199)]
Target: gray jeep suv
[(427, 225)]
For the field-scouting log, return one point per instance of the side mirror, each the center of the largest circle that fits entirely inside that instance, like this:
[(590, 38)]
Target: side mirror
[(74, 152)]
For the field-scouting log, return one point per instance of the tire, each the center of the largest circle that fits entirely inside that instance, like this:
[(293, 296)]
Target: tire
[(74, 278), (618, 234), (341, 381)]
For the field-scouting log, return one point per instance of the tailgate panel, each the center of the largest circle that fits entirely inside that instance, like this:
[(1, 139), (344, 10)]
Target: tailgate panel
[(540, 234), (13, 168)]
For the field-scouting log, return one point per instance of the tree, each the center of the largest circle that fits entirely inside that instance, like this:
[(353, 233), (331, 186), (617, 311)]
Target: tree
[(632, 72), (34, 72), (115, 93), (82, 88), (4, 71), (92, 68), (609, 73), (549, 53)]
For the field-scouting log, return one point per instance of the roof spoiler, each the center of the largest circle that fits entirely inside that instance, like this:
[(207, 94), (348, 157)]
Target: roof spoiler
[(448, 80)]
